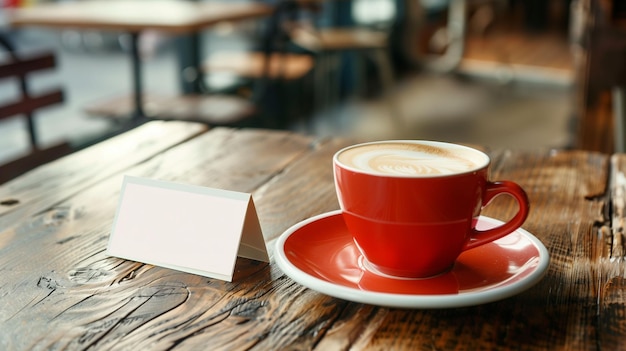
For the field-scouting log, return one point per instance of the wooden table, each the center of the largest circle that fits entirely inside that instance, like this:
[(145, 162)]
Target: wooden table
[(134, 17), (58, 290)]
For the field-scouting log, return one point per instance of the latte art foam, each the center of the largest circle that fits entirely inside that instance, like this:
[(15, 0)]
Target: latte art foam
[(406, 159)]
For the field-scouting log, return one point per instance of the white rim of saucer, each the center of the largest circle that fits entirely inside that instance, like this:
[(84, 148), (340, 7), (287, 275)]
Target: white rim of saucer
[(410, 301)]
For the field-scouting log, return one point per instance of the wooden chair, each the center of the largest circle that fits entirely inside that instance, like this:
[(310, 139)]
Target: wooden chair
[(17, 68), (251, 65), (271, 60), (278, 77), (329, 43)]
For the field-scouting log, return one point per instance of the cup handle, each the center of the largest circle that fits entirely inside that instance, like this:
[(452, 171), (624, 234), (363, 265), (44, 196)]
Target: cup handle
[(481, 237)]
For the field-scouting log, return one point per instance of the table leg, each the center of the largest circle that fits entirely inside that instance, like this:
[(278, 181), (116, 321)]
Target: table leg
[(189, 61), (196, 62), (138, 113)]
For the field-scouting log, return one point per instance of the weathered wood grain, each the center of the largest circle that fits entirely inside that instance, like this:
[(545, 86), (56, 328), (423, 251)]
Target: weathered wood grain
[(612, 277), (61, 282), (56, 280), (67, 176)]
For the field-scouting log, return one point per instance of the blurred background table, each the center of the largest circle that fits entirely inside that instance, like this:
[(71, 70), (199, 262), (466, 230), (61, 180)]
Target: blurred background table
[(135, 17), (508, 111), (60, 291)]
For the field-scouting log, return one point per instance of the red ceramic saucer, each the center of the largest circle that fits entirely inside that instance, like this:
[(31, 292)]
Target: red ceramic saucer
[(319, 253)]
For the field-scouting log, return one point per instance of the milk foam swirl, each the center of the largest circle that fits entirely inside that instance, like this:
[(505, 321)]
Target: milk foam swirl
[(406, 160)]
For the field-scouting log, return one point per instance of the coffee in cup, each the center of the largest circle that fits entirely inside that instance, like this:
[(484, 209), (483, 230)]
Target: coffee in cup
[(412, 206), (410, 159)]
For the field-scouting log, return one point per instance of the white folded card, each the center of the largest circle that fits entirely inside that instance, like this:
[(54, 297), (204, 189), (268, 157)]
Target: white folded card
[(189, 228)]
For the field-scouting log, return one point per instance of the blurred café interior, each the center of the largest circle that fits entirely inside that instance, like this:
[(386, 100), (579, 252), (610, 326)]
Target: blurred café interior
[(499, 73)]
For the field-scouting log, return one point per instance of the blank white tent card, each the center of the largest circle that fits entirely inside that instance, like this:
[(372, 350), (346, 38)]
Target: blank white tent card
[(189, 228)]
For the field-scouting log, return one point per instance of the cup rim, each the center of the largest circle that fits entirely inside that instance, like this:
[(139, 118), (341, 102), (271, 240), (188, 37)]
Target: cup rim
[(485, 162)]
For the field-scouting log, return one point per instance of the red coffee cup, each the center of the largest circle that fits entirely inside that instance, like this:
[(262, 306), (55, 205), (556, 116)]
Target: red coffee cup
[(412, 206)]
